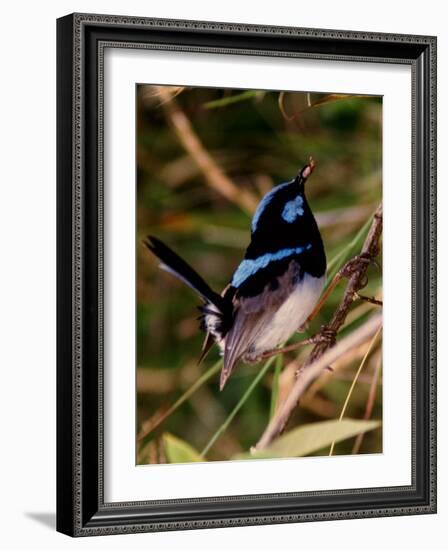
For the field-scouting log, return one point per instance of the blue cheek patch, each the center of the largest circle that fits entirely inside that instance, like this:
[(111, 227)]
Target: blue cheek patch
[(293, 209), (247, 268)]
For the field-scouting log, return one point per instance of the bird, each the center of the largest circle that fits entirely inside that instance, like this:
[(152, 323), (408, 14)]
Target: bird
[(275, 287)]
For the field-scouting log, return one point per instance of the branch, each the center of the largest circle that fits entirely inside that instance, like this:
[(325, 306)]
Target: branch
[(356, 338), (212, 172), (356, 282), (357, 273)]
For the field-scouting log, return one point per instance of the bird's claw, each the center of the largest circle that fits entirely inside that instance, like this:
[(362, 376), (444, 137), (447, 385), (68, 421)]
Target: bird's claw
[(355, 263), (326, 335), (303, 327)]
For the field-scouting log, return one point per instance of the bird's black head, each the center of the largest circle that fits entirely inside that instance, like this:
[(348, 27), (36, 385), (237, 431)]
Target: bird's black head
[(283, 229)]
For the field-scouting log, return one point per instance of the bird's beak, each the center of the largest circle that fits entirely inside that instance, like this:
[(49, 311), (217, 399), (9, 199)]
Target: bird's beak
[(305, 173), (308, 169)]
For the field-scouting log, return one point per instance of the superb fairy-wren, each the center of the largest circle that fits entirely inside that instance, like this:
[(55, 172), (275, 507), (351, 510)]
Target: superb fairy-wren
[(275, 287)]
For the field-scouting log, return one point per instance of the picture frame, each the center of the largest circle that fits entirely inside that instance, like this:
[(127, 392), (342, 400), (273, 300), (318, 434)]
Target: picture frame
[(81, 42)]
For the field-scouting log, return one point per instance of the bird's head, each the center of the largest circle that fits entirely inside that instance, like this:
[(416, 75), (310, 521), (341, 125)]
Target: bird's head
[(284, 202)]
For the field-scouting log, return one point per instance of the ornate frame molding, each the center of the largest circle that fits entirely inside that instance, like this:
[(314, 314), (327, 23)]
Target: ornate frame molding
[(81, 42)]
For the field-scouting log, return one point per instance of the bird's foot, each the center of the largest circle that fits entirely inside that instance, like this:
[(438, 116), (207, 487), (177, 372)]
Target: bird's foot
[(360, 262), (251, 357), (326, 335), (355, 263)]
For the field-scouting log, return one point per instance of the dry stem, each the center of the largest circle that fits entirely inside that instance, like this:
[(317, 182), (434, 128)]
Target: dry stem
[(213, 174), (370, 401)]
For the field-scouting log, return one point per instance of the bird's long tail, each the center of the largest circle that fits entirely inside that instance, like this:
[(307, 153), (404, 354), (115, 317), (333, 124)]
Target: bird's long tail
[(174, 264)]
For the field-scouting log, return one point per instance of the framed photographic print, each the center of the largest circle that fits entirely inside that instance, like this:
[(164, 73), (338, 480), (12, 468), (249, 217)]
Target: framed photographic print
[(246, 274)]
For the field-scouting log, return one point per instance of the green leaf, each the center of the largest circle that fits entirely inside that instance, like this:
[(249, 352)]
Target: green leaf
[(177, 450), (248, 94), (309, 438), (328, 98)]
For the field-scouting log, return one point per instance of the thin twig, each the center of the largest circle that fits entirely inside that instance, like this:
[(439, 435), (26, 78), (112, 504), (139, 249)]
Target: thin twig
[(370, 401), (356, 338), (353, 384), (317, 385), (238, 406), (213, 173), (369, 299), (281, 106)]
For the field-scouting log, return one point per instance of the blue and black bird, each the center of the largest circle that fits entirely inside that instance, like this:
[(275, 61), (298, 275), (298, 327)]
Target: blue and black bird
[(275, 287)]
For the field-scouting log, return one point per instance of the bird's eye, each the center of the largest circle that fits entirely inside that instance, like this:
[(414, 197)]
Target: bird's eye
[(293, 209)]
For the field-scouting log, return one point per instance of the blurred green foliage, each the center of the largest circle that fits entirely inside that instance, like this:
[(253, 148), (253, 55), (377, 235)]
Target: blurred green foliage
[(259, 139)]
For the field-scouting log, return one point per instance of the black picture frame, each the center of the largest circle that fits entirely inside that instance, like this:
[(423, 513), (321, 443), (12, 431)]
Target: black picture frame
[(81, 510)]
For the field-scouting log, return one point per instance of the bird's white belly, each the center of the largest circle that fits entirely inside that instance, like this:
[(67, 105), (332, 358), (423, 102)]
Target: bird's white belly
[(291, 315)]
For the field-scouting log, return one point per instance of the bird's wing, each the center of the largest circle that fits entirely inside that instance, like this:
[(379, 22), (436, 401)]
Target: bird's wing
[(252, 315), (240, 338)]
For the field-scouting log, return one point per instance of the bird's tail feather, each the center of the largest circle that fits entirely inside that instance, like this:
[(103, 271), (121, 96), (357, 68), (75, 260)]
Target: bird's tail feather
[(178, 267)]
